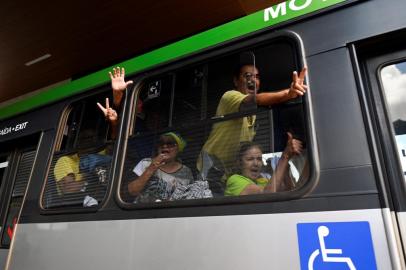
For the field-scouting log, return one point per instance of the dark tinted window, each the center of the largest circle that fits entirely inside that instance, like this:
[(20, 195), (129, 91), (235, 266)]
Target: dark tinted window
[(186, 102), (80, 168)]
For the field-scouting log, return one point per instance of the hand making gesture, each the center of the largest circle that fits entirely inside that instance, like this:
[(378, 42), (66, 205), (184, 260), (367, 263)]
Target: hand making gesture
[(293, 147), (109, 113), (118, 84), (297, 87)]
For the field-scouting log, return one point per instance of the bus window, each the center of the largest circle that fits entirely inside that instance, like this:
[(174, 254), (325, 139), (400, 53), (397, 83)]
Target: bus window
[(394, 86), (80, 167), (188, 135)]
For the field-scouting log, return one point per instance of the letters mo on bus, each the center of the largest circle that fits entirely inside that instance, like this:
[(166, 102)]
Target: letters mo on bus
[(280, 9)]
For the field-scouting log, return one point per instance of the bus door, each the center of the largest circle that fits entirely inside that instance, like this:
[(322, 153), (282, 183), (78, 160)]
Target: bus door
[(16, 162), (385, 93)]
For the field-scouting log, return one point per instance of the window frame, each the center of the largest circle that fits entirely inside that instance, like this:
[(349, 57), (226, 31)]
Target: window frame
[(389, 151), (369, 57), (203, 59), (55, 150)]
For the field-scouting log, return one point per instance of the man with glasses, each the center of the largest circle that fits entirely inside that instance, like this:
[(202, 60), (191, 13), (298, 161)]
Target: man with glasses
[(221, 147)]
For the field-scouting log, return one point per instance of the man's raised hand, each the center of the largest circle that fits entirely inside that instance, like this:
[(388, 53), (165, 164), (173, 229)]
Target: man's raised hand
[(297, 87)]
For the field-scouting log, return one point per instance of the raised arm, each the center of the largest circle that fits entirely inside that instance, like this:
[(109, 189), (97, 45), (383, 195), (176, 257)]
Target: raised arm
[(281, 181), (119, 85), (297, 88), (136, 186)]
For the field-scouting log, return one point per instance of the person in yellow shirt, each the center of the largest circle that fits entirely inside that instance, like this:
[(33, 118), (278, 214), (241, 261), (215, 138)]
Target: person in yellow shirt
[(67, 176), (226, 136), (70, 170), (250, 176)]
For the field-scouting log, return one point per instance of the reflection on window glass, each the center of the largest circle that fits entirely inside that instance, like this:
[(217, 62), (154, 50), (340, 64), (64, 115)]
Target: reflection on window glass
[(394, 83), (3, 164), (201, 134)]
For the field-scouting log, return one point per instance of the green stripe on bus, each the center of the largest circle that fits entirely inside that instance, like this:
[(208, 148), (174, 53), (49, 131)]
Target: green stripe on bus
[(278, 13)]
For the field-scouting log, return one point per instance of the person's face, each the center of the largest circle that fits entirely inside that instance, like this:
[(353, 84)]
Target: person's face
[(248, 80), (168, 147), (70, 185), (251, 163)]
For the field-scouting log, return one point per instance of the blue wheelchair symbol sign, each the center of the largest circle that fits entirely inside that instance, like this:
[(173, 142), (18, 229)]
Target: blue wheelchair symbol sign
[(336, 246)]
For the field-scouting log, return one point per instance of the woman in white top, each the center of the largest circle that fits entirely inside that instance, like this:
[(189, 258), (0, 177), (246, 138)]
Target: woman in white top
[(159, 176)]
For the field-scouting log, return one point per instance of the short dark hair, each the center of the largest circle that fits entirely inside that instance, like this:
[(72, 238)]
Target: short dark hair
[(237, 69), (245, 146), (246, 58)]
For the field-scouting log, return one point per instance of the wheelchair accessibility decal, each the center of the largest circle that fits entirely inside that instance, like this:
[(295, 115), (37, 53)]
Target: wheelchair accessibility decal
[(336, 246)]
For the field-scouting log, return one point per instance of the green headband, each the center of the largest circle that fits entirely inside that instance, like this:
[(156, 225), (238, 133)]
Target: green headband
[(179, 140)]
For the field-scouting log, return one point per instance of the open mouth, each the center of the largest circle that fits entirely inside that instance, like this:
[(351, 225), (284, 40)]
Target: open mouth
[(255, 172), (251, 86), (164, 151)]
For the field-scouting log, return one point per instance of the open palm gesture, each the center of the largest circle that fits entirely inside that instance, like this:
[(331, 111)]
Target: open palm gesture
[(117, 79)]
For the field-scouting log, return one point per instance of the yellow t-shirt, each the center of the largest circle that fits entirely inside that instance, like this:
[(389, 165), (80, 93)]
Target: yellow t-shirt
[(237, 183), (225, 137), (69, 164)]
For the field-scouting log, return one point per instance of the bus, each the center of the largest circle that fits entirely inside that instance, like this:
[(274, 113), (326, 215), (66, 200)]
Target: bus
[(346, 207)]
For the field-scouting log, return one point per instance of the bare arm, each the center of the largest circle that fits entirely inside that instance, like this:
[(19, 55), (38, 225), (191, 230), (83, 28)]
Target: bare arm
[(297, 88), (281, 181), (252, 189), (136, 186)]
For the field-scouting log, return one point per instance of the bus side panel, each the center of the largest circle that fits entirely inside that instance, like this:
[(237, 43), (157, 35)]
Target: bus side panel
[(337, 112), (359, 21), (203, 243), (3, 258), (31, 122), (345, 162)]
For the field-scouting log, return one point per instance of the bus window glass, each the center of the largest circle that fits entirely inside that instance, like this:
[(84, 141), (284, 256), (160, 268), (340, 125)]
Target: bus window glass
[(215, 130), (187, 103), (394, 86), (80, 167)]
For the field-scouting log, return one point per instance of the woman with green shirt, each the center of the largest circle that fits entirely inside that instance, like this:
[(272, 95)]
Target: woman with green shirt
[(251, 178)]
